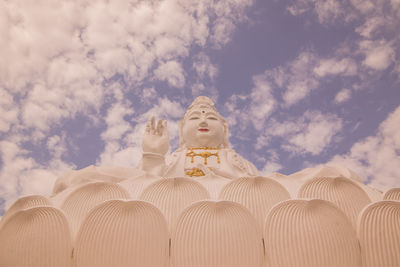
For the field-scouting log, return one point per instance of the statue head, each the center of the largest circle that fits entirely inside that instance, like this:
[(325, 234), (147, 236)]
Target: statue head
[(203, 126)]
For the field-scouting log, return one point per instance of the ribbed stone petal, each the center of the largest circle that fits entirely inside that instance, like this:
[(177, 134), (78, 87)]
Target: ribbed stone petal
[(36, 237), (124, 234), (80, 201), (173, 195), (341, 191), (257, 194), (310, 233), (216, 234), (379, 234)]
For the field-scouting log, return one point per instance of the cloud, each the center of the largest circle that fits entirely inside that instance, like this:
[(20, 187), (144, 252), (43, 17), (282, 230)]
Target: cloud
[(21, 174), (311, 133), (327, 11), (376, 23), (297, 78), (297, 81), (262, 101), (254, 108), (334, 66), (204, 68), (342, 96), (8, 110), (172, 72), (379, 55), (60, 64), (272, 164), (271, 167), (376, 158), (57, 58)]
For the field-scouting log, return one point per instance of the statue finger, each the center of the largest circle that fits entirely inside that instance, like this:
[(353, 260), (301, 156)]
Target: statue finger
[(165, 128), (148, 127), (159, 127), (152, 128)]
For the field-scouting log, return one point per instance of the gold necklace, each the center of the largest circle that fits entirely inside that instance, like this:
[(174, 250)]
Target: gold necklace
[(204, 154)]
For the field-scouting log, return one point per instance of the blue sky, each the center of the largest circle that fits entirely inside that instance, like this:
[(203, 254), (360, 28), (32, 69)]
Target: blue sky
[(301, 83)]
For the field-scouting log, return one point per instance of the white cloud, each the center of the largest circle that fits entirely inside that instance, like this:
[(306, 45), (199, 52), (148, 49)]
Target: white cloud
[(56, 145), (262, 101), (333, 66), (237, 109), (204, 68), (295, 77), (271, 167), (228, 13), (23, 175), (254, 108), (311, 133), (57, 61), (378, 54), (148, 94), (171, 72), (327, 11), (57, 57), (342, 96), (8, 110), (272, 164), (371, 26), (117, 126), (377, 158)]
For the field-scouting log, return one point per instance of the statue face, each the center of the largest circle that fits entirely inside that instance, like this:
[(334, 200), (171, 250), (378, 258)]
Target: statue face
[(203, 128)]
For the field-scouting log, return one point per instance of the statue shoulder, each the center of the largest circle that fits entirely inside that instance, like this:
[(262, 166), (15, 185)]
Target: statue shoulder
[(239, 162)]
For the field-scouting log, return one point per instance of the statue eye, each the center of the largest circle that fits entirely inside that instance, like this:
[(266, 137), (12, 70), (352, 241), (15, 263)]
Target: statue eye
[(212, 118), (193, 118)]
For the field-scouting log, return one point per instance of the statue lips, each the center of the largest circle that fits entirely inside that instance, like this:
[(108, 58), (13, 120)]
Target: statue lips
[(203, 130)]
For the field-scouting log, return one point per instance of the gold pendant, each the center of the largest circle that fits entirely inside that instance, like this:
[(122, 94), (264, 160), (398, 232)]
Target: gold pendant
[(195, 172), (204, 154)]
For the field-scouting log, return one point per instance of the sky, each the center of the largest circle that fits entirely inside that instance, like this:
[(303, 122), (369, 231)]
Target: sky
[(301, 83)]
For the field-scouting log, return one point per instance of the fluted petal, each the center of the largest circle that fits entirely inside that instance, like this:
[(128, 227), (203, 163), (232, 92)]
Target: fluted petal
[(379, 234), (80, 201), (216, 234), (343, 192), (392, 194), (124, 234), (25, 203), (257, 194), (135, 186), (172, 195), (36, 237), (310, 233)]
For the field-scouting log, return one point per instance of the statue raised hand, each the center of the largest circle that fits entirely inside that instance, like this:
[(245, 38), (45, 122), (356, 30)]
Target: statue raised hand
[(155, 145), (156, 138)]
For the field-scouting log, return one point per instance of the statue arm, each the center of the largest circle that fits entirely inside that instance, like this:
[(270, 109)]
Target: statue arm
[(155, 145), (246, 167)]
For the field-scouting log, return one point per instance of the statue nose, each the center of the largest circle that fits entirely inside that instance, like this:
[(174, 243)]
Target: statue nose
[(203, 122)]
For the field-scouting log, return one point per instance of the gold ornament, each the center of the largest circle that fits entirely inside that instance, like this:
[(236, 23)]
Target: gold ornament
[(203, 154), (195, 172)]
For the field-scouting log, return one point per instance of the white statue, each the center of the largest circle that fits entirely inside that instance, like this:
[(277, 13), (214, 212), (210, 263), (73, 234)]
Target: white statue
[(203, 147)]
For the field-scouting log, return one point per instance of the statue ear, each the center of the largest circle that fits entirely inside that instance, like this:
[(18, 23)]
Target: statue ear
[(226, 135), (180, 126)]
